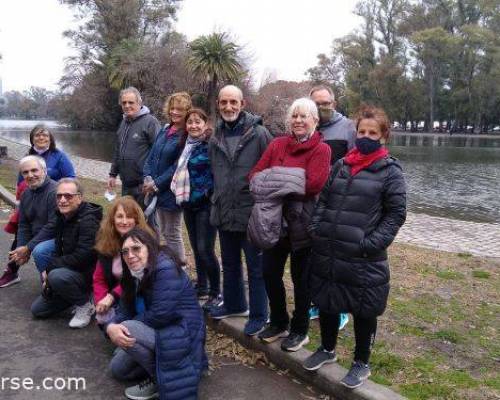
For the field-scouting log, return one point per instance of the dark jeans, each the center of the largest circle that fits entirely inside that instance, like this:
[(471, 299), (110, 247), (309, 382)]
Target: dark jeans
[(274, 261), (68, 288), (12, 264), (202, 238), (231, 244), (365, 330), (135, 192)]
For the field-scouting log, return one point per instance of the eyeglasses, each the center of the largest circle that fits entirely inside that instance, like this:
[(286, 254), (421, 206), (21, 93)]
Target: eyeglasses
[(67, 196), (124, 103), (41, 134), (136, 250), (324, 104)]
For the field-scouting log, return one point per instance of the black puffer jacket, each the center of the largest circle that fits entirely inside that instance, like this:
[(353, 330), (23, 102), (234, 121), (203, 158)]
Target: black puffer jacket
[(355, 220)]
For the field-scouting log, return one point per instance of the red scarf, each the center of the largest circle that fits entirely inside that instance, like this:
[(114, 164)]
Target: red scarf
[(359, 161)]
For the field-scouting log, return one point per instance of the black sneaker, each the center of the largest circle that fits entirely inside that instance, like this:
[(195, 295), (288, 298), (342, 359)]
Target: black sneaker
[(272, 333), (213, 301), (201, 292), (294, 342), (319, 358), (358, 373)]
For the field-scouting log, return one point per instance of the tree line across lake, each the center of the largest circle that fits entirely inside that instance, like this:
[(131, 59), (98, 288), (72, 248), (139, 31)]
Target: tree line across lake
[(423, 61)]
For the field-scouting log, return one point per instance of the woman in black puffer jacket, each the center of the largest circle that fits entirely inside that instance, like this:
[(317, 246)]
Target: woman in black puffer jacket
[(358, 215)]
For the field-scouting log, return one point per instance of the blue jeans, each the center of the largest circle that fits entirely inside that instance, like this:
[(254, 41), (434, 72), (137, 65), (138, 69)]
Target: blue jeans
[(43, 253), (202, 238), (231, 245)]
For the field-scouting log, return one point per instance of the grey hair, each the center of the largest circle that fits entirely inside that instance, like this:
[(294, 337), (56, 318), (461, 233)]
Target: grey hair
[(322, 87), (233, 87), (39, 160), (133, 90), (304, 104), (74, 181)]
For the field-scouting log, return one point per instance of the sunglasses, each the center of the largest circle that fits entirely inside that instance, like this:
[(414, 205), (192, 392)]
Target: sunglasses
[(67, 196), (136, 250)]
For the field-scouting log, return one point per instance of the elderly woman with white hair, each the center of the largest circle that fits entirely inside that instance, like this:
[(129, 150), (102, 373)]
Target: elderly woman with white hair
[(301, 151)]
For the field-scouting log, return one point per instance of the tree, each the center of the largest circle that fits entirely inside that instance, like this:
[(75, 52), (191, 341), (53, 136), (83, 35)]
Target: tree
[(215, 59)]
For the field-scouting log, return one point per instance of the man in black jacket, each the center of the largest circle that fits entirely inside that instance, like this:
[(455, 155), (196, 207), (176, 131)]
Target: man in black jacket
[(67, 279), (135, 137), (235, 147)]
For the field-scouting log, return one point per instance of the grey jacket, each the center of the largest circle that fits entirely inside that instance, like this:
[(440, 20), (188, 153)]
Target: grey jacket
[(135, 137), (279, 208), (231, 200), (340, 134), (36, 209)]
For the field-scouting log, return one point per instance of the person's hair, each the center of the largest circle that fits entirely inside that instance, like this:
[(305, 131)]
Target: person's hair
[(74, 181), (133, 90), (39, 160), (108, 240), (232, 87), (366, 111), (183, 98), (303, 104), (41, 128), (203, 115), (322, 87)]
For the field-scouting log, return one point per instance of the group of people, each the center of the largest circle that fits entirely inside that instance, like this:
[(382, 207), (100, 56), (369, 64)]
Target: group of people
[(325, 193)]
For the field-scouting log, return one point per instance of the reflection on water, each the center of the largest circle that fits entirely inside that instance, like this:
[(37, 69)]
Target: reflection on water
[(450, 176)]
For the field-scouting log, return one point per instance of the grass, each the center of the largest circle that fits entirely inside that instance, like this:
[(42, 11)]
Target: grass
[(438, 338)]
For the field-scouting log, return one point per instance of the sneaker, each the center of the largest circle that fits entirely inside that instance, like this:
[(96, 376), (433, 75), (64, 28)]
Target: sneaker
[(358, 373), (294, 342), (145, 390), (314, 313), (344, 319), (9, 278), (201, 292), (254, 327), (319, 358), (83, 315), (220, 312), (272, 333), (213, 301)]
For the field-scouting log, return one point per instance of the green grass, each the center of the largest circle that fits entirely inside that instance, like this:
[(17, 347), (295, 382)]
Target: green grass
[(480, 274), (449, 274), (426, 390)]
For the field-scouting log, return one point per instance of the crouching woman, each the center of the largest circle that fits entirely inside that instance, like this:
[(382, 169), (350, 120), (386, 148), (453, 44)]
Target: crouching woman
[(159, 327)]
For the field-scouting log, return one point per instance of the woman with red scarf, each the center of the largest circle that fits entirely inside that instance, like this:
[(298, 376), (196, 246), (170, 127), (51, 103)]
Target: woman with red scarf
[(357, 217)]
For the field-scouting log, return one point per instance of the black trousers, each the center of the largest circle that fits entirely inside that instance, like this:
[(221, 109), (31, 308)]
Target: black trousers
[(274, 261), (364, 334)]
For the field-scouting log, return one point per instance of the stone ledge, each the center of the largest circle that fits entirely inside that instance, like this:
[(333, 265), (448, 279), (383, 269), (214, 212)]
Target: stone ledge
[(326, 379)]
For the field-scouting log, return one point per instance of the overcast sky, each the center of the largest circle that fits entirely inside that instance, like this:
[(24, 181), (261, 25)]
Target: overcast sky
[(283, 36)]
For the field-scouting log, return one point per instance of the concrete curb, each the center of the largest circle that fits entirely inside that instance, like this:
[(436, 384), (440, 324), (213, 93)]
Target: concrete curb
[(326, 379), (8, 197)]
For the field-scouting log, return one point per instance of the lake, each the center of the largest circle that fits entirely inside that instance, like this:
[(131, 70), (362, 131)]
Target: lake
[(450, 176)]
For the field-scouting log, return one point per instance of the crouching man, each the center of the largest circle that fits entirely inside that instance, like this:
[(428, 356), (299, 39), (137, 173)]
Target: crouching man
[(67, 279)]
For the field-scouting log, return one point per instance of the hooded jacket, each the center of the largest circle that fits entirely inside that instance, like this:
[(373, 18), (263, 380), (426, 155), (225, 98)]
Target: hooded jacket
[(135, 137), (355, 220), (231, 200), (340, 134)]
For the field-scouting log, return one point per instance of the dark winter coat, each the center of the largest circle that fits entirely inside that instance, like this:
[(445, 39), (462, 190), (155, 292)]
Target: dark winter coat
[(36, 209), (355, 220), (340, 134), (75, 240), (134, 140), (161, 164), (58, 164), (172, 310), (231, 201)]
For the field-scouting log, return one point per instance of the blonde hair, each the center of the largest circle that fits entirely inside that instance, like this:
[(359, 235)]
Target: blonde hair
[(183, 98)]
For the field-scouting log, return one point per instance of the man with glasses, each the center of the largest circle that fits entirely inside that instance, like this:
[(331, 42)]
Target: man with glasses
[(67, 275), (135, 137), (338, 131), (36, 209)]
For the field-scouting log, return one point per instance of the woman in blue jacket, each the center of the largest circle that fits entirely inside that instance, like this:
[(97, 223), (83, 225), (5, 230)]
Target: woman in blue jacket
[(159, 327), (160, 167)]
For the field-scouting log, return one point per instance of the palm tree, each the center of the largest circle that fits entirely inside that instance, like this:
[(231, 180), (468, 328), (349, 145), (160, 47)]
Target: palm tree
[(215, 59)]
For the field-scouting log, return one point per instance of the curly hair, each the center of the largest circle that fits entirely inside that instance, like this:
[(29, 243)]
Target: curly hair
[(366, 111), (108, 241), (183, 99)]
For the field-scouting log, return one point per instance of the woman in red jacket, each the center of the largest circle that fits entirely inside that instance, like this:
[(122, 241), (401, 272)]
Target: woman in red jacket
[(123, 215), (302, 148)]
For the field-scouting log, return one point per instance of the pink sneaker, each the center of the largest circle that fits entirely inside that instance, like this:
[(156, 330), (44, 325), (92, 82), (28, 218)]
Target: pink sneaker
[(9, 278)]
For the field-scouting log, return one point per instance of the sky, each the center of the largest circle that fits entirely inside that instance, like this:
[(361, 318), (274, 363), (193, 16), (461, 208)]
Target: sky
[(282, 37)]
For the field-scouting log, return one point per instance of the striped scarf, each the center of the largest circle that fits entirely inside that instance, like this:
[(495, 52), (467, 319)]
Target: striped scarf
[(180, 181)]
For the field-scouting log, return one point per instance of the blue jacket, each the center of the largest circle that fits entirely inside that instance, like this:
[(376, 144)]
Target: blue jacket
[(161, 164), (201, 181), (58, 165), (171, 308)]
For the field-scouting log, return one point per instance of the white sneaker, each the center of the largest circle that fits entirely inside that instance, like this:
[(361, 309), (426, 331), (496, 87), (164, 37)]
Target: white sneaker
[(83, 315)]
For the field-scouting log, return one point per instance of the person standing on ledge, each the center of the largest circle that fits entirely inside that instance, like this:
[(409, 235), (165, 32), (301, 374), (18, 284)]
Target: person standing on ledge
[(135, 137)]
